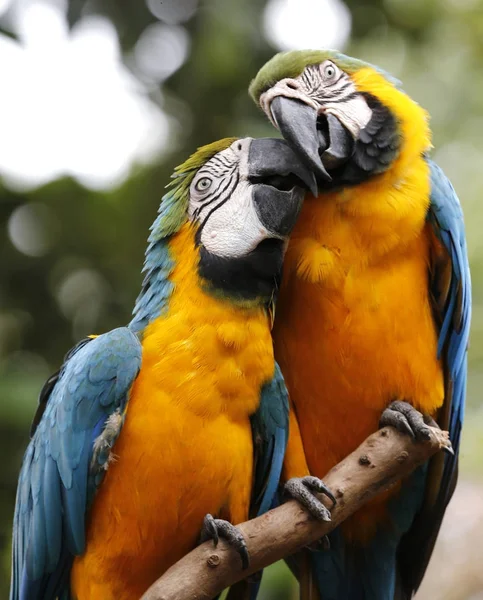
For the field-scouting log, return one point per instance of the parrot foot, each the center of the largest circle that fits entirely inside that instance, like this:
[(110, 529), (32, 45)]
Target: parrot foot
[(406, 419), (214, 529), (303, 490)]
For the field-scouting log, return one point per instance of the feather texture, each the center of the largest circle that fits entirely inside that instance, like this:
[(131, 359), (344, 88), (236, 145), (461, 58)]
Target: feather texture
[(375, 306), (452, 304), (207, 386), (53, 486)]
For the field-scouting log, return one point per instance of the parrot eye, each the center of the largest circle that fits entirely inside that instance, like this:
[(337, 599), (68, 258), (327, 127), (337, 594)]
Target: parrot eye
[(330, 72), (203, 184)]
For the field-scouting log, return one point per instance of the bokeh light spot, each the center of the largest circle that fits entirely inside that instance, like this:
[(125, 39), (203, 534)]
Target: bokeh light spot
[(32, 229), (69, 105), (173, 11), (79, 288), (300, 24), (161, 50)]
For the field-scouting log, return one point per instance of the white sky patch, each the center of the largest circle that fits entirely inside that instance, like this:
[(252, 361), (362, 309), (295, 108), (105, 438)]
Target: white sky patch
[(69, 105), (307, 24)]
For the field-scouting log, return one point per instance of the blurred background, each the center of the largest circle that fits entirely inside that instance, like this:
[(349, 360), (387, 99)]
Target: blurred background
[(99, 100)]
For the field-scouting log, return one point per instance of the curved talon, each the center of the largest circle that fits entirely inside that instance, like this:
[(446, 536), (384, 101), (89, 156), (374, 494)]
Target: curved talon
[(317, 485), (210, 530), (406, 419), (213, 529), (302, 489)]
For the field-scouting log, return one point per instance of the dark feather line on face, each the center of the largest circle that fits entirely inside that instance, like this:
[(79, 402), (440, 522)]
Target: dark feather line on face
[(321, 91), (337, 91), (219, 205), (309, 76), (223, 160), (347, 98), (216, 171), (311, 79), (219, 169), (216, 194), (345, 85), (208, 200), (326, 95)]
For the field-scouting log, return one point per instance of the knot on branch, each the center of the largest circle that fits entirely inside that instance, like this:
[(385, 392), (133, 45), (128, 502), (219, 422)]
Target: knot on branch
[(202, 574)]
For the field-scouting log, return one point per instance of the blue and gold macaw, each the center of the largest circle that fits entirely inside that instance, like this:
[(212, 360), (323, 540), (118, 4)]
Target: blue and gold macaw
[(183, 413), (374, 309)]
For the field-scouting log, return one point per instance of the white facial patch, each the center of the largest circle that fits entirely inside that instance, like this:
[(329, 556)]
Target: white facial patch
[(327, 89), (221, 201), (354, 114), (235, 228)]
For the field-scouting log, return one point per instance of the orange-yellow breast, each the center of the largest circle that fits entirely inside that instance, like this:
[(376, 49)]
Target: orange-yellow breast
[(186, 447), (354, 327)]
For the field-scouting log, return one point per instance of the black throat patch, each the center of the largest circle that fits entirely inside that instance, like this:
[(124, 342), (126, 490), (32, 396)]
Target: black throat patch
[(254, 276), (377, 146)]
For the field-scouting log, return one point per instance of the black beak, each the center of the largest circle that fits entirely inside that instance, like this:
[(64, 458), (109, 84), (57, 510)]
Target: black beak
[(279, 181), (271, 157), (321, 142), (341, 143)]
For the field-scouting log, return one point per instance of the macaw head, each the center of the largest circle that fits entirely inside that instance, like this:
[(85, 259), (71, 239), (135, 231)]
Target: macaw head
[(346, 119), (241, 198)]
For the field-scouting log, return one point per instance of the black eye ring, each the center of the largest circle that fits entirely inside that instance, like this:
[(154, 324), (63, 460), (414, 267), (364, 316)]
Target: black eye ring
[(203, 184)]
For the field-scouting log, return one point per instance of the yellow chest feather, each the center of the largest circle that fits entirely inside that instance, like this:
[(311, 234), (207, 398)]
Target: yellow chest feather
[(186, 445), (212, 354), (354, 327)]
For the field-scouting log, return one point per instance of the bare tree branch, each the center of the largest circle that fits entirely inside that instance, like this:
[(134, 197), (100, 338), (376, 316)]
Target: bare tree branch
[(384, 458)]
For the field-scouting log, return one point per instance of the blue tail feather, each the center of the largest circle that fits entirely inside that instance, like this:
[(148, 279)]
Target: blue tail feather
[(368, 572)]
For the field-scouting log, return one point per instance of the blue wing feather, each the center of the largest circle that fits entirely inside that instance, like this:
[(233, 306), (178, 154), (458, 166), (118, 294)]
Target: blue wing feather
[(270, 434), (446, 216), (52, 495), (452, 304), (450, 286)]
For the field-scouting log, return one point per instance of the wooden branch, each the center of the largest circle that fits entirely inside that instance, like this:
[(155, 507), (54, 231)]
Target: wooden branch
[(383, 459)]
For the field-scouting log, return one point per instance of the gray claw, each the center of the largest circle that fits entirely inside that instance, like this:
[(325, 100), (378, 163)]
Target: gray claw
[(406, 419), (213, 529), (430, 421), (303, 489)]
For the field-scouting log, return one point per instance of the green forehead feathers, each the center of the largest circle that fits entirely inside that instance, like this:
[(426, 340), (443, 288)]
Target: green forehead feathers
[(200, 157), (291, 64), (174, 204)]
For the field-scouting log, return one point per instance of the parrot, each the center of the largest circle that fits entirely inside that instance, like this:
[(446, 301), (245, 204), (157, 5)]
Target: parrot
[(373, 312), (149, 430)]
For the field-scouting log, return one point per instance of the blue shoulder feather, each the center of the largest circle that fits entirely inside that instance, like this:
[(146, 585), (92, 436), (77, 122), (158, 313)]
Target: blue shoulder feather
[(58, 476)]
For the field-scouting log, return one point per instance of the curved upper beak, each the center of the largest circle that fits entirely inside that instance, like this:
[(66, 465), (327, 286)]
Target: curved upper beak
[(271, 157), (322, 142), (279, 180)]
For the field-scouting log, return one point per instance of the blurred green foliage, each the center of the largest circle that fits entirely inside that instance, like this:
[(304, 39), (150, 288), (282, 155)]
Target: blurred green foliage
[(87, 279)]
